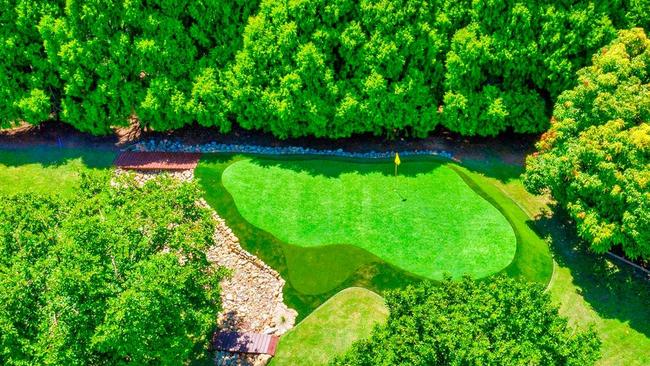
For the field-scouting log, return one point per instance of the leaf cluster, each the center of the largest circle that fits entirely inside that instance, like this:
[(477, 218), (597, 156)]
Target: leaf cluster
[(595, 158), (497, 322), (118, 275)]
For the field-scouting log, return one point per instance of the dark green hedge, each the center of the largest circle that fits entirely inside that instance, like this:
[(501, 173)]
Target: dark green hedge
[(311, 67)]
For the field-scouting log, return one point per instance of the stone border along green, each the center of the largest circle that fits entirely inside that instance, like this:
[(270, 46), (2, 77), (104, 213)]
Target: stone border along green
[(213, 147)]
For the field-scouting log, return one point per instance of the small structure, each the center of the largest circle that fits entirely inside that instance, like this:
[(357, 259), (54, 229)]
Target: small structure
[(150, 160), (245, 342)]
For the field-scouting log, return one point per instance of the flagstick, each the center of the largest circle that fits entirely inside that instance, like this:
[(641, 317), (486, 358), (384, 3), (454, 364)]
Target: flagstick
[(396, 191)]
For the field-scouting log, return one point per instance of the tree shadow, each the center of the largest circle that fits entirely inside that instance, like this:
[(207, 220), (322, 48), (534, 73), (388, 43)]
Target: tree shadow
[(495, 168), (315, 166), (614, 291), (48, 156)]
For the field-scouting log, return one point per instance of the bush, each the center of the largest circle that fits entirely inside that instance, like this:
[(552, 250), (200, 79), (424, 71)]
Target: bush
[(502, 322), (118, 275)]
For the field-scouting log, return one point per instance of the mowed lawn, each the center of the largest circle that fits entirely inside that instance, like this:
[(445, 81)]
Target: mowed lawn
[(48, 170), (330, 330), (590, 289), (426, 220)]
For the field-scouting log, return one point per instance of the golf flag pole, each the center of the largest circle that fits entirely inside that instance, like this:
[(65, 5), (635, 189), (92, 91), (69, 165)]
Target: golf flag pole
[(397, 162)]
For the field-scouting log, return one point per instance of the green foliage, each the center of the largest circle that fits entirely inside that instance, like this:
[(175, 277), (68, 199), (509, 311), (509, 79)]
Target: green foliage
[(100, 64), (383, 66), (328, 68), (118, 275), (595, 159), (152, 60), (499, 322), (26, 78)]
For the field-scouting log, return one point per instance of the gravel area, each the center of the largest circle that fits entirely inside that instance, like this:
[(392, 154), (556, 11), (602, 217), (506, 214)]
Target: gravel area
[(251, 298), (214, 147)]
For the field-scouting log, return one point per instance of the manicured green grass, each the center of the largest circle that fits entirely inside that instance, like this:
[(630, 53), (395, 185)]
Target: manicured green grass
[(315, 273), (532, 260), (327, 332), (591, 290), (48, 170), (426, 220)]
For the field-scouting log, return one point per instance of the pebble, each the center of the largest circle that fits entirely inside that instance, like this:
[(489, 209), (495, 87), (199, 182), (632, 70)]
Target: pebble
[(213, 147)]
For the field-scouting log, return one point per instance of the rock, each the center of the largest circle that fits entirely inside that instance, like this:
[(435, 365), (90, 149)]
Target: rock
[(164, 145)]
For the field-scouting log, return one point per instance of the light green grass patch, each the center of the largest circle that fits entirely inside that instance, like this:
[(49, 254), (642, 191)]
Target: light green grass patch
[(330, 330), (48, 170), (427, 220)]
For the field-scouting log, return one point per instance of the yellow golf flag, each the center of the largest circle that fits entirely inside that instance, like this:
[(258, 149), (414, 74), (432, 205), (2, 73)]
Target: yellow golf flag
[(397, 161)]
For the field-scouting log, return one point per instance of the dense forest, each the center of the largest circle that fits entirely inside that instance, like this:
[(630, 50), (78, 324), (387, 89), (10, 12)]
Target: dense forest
[(295, 68)]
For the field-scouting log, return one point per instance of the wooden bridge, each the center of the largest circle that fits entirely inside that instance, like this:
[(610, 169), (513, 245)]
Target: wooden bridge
[(149, 160), (245, 342)]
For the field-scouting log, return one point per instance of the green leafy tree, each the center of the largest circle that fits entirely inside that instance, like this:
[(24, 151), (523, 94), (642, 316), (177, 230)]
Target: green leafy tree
[(28, 84), (595, 158), (385, 66), (151, 61), (329, 68), (335, 68), (497, 322), (118, 275)]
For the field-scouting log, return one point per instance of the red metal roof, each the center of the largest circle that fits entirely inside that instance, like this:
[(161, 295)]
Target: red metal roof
[(246, 342), (141, 160)]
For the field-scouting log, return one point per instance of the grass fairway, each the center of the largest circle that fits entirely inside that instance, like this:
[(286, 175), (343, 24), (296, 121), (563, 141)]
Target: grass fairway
[(348, 316), (426, 220), (48, 170)]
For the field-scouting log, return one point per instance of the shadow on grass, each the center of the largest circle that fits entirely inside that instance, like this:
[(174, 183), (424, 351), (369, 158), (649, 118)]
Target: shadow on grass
[(494, 168), (312, 275), (54, 157), (411, 165), (614, 291)]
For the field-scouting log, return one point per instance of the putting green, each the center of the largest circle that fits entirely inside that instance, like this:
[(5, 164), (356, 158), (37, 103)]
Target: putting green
[(426, 221)]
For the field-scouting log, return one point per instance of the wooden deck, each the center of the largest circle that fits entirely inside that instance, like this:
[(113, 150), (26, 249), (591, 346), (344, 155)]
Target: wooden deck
[(138, 160), (245, 342)]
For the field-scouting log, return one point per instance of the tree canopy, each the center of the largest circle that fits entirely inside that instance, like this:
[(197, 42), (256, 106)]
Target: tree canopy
[(118, 275), (328, 68), (595, 158), (335, 68), (497, 322), (102, 64)]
